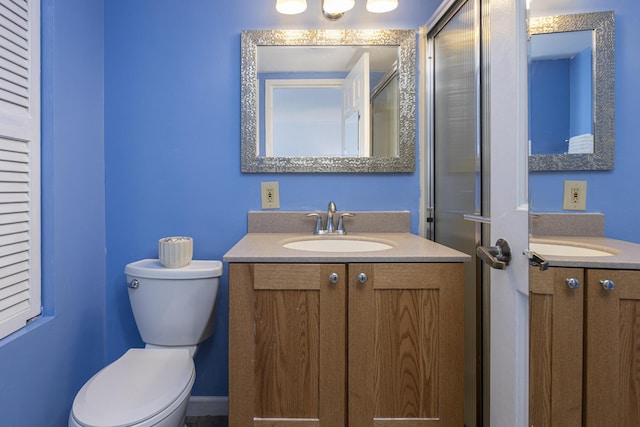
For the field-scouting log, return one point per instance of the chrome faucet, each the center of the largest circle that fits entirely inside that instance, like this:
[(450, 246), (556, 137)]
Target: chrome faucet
[(331, 209), (318, 229), (330, 229), (341, 229)]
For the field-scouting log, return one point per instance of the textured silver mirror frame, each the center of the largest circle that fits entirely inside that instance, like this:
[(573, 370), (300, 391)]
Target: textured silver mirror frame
[(603, 26), (404, 39)]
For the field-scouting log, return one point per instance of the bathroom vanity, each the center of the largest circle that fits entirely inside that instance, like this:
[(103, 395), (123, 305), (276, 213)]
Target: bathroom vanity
[(584, 329), (323, 337)]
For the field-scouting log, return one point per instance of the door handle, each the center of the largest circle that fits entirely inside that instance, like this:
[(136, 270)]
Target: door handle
[(497, 256), (537, 260), (476, 218)]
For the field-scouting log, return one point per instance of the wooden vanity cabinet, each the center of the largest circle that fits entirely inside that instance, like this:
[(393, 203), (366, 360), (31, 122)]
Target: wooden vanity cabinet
[(584, 348), (380, 347)]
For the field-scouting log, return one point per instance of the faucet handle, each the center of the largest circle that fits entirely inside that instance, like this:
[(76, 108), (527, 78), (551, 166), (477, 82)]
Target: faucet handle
[(341, 229), (318, 228)]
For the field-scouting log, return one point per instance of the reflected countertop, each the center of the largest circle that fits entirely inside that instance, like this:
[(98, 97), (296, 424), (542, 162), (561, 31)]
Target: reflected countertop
[(406, 247), (625, 255)]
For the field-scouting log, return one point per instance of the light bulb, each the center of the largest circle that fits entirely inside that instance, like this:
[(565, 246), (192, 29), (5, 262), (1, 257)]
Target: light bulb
[(381, 6), (291, 7), (337, 6)]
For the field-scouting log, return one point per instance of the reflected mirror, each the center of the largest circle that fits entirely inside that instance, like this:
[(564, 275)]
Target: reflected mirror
[(328, 101), (571, 92), (560, 93)]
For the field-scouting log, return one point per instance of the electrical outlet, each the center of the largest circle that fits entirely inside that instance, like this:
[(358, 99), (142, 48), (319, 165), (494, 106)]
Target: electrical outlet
[(575, 195), (270, 195)]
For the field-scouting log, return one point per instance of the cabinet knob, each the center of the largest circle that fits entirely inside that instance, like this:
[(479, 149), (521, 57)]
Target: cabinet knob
[(362, 278), (573, 283), (333, 277), (607, 284)]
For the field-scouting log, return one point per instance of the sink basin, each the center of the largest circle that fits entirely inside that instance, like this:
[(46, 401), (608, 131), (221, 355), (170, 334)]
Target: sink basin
[(338, 244), (566, 249)]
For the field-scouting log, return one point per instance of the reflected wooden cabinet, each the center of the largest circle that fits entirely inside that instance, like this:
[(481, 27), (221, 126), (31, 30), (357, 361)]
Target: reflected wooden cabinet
[(555, 347), (332, 345), (584, 348)]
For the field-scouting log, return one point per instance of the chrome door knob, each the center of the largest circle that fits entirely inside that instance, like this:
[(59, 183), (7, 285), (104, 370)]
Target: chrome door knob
[(573, 283), (333, 277), (362, 278), (607, 285)]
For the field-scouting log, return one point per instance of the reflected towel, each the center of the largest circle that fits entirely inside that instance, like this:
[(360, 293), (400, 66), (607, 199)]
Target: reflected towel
[(581, 143)]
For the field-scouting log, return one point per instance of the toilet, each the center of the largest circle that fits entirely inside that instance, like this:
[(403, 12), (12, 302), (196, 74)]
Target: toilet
[(174, 312)]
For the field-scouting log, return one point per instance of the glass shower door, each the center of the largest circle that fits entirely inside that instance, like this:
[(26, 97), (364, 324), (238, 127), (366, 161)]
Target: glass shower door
[(457, 174)]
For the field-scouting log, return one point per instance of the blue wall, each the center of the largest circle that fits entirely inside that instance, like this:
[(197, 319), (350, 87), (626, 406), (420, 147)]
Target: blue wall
[(172, 139), (609, 192), (44, 365)]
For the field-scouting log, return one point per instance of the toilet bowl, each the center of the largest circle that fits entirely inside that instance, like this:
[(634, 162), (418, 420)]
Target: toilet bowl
[(144, 387), (151, 386)]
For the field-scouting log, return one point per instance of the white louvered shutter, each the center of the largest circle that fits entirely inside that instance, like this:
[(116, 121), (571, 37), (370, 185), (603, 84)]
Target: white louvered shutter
[(19, 163)]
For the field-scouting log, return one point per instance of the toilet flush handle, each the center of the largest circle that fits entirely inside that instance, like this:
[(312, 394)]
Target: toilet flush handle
[(134, 284)]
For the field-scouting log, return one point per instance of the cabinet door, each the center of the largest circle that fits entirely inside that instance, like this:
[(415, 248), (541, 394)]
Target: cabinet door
[(286, 345), (612, 349), (555, 347), (405, 353)]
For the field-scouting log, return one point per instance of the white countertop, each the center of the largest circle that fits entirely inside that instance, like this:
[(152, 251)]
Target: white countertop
[(406, 247)]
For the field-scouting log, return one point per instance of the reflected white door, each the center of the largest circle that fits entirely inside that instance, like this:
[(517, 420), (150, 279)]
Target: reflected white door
[(356, 117)]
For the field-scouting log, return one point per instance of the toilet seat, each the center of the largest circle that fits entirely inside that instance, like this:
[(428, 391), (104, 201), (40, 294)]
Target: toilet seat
[(136, 387)]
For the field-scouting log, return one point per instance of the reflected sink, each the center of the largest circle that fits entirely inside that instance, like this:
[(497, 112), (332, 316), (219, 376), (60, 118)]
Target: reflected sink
[(329, 244), (567, 249)]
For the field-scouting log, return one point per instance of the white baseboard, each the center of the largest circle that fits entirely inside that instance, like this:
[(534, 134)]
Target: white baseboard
[(200, 406)]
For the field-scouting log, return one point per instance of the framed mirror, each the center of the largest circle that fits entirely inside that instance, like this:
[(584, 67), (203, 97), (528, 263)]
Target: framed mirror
[(328, 101), (571, 92)]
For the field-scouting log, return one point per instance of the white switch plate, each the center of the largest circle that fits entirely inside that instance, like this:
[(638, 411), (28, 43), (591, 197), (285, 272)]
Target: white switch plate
[(270, 195), (575, 196)]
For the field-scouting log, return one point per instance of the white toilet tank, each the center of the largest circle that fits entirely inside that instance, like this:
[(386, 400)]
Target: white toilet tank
[(173, 306)]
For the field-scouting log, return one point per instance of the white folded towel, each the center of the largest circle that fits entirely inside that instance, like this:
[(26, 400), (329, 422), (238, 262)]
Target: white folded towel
[(581, 144)]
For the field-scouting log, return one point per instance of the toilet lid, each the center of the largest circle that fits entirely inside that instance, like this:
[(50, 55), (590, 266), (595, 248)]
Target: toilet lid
[(137, 386)]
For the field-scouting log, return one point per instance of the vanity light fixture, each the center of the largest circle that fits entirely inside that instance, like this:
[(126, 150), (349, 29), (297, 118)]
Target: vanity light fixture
[(291, 7), (381, 6), (334, 9), (337, 6)]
